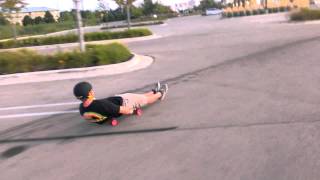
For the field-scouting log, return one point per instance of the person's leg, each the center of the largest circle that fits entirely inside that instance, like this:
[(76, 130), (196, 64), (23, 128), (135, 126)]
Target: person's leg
[(154, 90), (152, 98), (149, 93), (139, 100)]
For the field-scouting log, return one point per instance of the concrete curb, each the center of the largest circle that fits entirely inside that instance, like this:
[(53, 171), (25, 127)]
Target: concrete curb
[(135, 63), (311, 22), (60, 47)]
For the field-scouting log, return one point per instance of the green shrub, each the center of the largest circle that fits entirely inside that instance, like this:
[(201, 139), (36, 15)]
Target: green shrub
[(262, 11), (224, 15), (235, 14), (28, 61), (6, 31), (248, 13), (282, 9), (71, 38), (255, 12), (296, 16), (20, 61), (229, 14), (275, 10), (305, 14), (160, 17), (242, 13)]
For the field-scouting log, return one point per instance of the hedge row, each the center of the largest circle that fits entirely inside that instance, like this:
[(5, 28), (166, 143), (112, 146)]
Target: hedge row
[(71, 38), (28, 61), (305, 14), (37, 29), (254, 12)]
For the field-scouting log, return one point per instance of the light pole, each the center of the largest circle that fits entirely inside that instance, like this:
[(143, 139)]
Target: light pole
[(79, 23), (128, 15)]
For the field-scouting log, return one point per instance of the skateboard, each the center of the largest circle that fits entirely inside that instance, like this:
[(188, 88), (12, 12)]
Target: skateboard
[(115, 122)]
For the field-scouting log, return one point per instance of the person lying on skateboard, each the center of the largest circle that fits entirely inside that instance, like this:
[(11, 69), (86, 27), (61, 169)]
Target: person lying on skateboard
[(99, 111)]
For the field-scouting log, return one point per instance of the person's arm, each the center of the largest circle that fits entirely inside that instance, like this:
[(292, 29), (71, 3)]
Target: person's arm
[(93, 117), (126, 110)]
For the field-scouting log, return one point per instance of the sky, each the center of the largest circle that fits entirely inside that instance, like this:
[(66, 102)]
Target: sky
[(87, 4)]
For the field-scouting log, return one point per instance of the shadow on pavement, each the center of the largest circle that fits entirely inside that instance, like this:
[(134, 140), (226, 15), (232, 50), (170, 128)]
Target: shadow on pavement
[(69, 137)]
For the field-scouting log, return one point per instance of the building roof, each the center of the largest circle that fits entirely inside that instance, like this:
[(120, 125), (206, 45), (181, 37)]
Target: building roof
[(36, 9)]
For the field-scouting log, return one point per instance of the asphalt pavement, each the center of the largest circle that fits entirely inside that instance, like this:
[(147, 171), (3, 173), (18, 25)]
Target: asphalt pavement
[(242, 104)]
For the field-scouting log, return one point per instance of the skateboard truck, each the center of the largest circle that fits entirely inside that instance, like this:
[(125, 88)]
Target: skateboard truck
[(137, 111)]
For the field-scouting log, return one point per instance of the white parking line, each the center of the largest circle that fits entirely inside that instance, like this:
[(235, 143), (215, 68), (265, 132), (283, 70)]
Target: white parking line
[(38, 106), (37, 114)]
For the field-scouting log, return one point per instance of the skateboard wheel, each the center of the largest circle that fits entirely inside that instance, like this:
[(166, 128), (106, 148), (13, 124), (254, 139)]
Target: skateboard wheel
[(139, 112), (114, 122)]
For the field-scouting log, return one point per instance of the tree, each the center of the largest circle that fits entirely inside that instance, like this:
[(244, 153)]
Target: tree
[(66, 16), (38, 20), (103, 5), (161, 9), (27, 20), (127, 4), (87, 14), (114, 15), (205, 4), (104, 11), (99, 15), (48, 18), (148, 7), (136, 12), (88, 17), (9, 7), (3, 20)]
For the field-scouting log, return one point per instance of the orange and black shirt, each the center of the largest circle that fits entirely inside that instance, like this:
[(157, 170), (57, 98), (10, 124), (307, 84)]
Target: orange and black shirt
[(103, 109)]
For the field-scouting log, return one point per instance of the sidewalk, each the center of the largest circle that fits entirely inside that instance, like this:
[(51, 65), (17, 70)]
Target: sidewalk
[(136, 63)]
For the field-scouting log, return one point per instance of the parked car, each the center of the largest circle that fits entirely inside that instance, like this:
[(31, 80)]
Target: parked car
[(212, 11)]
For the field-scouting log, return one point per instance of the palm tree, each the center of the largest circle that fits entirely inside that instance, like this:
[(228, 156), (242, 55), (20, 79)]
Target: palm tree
[(9, 7), (127, 4)]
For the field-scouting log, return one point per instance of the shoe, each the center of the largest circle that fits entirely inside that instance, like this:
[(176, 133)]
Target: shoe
[(157, 88), (164, 90)]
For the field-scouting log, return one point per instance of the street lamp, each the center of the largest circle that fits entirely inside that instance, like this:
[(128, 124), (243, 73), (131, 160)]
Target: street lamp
[(128, 14), (79, 23)]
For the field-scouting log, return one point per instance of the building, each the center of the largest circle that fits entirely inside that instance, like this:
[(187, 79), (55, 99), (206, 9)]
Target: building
[(179, 5), (34, 12), (241, 5)]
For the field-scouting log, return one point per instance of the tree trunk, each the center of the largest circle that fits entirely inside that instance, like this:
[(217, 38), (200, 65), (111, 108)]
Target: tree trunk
[(14, 30), (13, 26)]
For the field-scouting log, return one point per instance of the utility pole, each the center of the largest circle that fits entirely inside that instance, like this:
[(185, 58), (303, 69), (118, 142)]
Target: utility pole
[(79, 23)]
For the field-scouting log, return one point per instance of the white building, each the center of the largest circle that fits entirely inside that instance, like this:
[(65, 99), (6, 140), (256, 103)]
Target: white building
[(179, 5)]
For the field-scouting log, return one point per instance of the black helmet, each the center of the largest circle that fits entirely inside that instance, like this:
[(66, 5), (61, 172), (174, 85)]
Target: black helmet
[(81, 90)]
